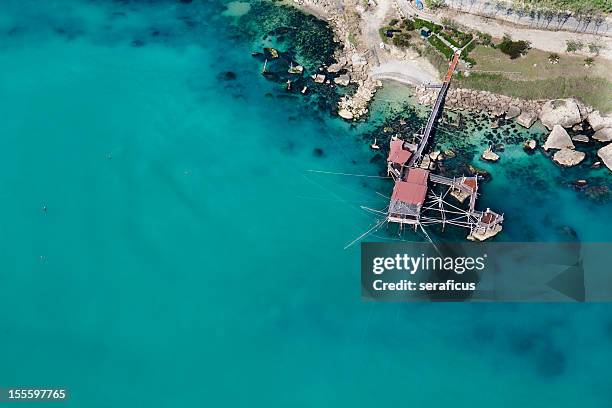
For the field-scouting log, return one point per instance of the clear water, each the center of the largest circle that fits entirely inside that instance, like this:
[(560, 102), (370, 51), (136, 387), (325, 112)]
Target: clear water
[(188, 257)]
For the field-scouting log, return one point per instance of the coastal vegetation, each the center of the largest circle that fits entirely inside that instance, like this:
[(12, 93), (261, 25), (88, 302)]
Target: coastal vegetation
[(440, 46), (514, 49), (593, 91)]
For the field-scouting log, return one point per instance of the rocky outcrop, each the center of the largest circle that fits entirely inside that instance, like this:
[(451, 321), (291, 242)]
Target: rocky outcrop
[(484, 101), (513, 112), (568, 158), (596, 121), (526, 119), (356, 105), (605, 153), (558, 139), (342, 80), (564, 112), (603, 135)]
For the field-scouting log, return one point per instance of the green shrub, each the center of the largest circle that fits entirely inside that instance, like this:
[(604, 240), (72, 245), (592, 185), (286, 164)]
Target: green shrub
[(407, 25), (594, 48), (393, 22), (573, 46), (485, 39), (469, 48), (419, 23), (440, 46), (513, 48), (401, 40), (455, 37)]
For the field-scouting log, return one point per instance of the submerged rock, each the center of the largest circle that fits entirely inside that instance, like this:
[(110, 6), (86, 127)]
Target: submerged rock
[(605, 153), (598, 194), (449, 154), (558, 139), (568, 157), (564, 112), (475, 171), (526, 119)]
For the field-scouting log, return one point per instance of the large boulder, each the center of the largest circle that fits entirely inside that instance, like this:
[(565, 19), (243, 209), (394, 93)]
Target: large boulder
[(558, 139), (603, 135), (564, 112), (568, 157), (526, 119), (513, 112), (599, 122), (605, 153)]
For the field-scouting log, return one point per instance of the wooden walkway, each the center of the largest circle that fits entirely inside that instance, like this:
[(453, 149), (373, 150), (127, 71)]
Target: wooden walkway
[(435, 113)]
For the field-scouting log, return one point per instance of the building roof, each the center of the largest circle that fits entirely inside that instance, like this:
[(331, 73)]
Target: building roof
[(414, 189), (417, 176), (397, 153), (470, 182)]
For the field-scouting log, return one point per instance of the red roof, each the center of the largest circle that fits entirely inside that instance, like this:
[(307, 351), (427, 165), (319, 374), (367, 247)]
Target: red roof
[(414, 189), (397, 153), (470, 182), (417, 176)]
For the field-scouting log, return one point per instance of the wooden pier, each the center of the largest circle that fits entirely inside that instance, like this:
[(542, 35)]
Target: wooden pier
[(420, 198)]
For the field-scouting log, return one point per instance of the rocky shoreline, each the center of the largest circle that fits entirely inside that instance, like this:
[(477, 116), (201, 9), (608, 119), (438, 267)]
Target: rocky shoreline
[(357, 61), (355, 58), (556, 115), (484, 101)]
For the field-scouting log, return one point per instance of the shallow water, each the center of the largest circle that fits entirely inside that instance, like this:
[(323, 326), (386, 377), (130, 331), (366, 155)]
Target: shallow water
[(187, 255)]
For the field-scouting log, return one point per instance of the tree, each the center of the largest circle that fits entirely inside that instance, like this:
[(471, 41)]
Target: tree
[(514, 49), (594, 48), (573, 46)]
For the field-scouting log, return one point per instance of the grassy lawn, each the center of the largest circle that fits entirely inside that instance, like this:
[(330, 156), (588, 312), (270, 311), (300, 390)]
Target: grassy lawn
[(535, 65), (593, 91), (520, 78)]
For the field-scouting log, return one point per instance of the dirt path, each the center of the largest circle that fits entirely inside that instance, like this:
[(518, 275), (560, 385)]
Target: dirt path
[(551, 41)]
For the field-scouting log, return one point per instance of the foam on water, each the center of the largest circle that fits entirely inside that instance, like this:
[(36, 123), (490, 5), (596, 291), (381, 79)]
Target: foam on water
[(188, 257)]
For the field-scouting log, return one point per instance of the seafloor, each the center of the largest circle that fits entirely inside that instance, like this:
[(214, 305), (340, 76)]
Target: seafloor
[(165, 244)]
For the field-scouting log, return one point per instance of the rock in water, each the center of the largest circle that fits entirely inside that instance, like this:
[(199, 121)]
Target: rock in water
[(599, 122), (581, 139), (603, 135), (489, 155), (606, 155), (526, 119), (564, 112), (568, 157), (530, 145), (513, 112), (343, 80), (558, 139), (345, 114)]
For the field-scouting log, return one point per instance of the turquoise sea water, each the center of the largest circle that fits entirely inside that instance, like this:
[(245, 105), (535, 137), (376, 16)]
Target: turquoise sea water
[(187, 257)]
